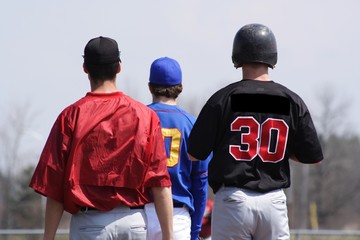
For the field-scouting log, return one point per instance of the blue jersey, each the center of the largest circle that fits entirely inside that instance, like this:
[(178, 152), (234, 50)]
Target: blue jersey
[(188, 178)]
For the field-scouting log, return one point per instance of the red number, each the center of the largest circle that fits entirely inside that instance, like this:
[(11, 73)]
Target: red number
[(250, 139), (257, 139)]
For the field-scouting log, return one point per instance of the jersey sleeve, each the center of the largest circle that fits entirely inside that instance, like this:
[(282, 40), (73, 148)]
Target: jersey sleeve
[(199, 190), (203, 135), (49, 173), (157, 175), (307, 145)]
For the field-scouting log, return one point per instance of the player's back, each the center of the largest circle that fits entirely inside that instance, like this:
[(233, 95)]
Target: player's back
[(262, 125), (176, 125)]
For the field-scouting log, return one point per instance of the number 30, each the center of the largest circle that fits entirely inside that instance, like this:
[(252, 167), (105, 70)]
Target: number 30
[(258, 139)]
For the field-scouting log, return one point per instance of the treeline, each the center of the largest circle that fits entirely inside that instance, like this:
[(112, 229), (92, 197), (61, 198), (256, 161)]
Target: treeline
[(321, 196), (327, 196)]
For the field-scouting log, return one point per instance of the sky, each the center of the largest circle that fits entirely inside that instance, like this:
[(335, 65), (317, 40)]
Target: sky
[(42, 44)]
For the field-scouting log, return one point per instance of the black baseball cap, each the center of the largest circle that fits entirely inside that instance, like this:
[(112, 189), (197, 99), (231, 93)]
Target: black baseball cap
[(101, 51)]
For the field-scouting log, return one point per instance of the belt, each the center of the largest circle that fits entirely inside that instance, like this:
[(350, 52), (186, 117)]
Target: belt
[(85, 209)]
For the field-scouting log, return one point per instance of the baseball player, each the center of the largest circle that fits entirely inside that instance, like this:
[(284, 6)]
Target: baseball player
[(253, 127), (104, 159), (189, 179)]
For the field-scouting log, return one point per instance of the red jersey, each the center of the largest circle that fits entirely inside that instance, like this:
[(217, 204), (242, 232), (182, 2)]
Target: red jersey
[(103, 151)]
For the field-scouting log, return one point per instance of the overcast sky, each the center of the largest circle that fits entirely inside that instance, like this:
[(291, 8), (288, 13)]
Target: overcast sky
[(42, 44)]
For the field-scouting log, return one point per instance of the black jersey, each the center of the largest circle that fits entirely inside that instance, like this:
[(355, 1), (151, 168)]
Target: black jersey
[(252, 128)]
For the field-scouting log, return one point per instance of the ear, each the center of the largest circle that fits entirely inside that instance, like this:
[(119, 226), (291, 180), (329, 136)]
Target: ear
[(150, 88), (119, 68), (85, 69)]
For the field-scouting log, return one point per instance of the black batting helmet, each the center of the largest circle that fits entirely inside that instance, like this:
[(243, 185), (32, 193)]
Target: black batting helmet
[(254, 43)]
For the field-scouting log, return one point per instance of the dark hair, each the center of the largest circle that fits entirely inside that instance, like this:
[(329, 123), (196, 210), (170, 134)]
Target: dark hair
[(100, 73), (165, 91)]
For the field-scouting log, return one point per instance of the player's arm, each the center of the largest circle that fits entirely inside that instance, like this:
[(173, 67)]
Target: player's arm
[(53, 213), (307, 147), (199, 191), (192, 158), (203, 134), (294, 158), (164, 210)]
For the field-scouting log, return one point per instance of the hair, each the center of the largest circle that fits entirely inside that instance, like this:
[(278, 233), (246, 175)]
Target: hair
[(100, 73), (165, 91)]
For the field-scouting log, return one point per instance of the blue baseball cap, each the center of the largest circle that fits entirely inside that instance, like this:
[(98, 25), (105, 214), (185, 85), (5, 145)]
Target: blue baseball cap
[(165, 71)]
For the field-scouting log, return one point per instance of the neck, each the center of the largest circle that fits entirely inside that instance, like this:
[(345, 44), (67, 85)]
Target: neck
[(107, 86), (257, 72), (164, 100)]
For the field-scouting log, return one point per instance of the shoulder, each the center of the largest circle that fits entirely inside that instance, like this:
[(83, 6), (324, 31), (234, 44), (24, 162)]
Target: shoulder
[(135, 104), (299, 106), (141, 108), (185, 112), (188, 116), (222, 95), (73, 108), (287, 91)]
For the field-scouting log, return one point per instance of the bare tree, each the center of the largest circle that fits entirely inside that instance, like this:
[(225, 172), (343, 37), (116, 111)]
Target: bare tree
[(335, 182), (333, 111), (332, 187), (12, 133)]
